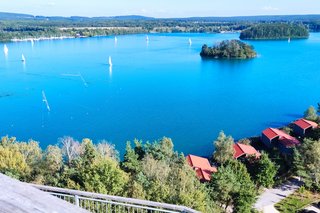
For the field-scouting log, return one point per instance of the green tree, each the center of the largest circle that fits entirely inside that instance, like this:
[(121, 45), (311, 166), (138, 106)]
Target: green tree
[(311, 114), (229, 49), (275, 31), (12, 163), (51, 166), (131, 163), (161, 149), (89, 154), (307, 163), (164, 176), (287, 130), (106, 177), (223, 148), (263, 171), (245, 141), (32, 154), (232, 186)]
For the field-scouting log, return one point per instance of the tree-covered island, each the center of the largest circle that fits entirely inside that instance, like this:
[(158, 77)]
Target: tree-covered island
[(273, 31), (229, 49)]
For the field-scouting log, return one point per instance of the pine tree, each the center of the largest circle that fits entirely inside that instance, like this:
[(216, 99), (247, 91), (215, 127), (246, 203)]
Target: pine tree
[(131, 163)]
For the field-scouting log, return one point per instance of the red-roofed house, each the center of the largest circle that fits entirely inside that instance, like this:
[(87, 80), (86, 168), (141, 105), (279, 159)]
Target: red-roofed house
[(242, 150), (202, 167), (303, 126), (275, 137)]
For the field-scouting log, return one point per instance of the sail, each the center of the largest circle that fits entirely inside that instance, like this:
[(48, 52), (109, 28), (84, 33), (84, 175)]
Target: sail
[(44, 99), (5, 49), (190, 41), (23, 58), (110, 61)]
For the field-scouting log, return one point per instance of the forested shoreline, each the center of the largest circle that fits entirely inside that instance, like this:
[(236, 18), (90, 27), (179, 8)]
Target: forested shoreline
[(155, 171), (33, 27), (275, 31)]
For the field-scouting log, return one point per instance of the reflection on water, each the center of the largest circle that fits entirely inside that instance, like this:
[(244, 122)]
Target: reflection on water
[(233, 65)]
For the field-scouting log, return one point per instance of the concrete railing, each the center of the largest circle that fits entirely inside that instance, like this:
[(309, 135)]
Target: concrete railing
[(94, 202)]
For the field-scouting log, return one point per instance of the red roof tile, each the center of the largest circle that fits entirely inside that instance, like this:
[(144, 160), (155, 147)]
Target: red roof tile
[(305, 124), (284, 138), (269, 133), (242, 149), (201, 166)]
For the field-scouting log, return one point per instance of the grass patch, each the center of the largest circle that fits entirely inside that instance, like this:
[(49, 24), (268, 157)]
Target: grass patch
[(297, 201)]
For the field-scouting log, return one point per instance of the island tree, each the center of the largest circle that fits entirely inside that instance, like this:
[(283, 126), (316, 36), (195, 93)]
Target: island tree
[(229, 49), (267, 31)]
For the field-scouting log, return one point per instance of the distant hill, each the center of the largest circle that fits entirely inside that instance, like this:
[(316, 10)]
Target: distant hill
[(267, 18), (130, 17), (8, 16), (18, 16), (278, 18)]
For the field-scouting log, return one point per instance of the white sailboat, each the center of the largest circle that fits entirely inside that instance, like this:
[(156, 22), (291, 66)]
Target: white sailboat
[(110, 61), (115, 39), (44, 99), (289, 40), (23, 59), (5, 49), (32, 43), (147, 38), (190, 41), (110, 71)]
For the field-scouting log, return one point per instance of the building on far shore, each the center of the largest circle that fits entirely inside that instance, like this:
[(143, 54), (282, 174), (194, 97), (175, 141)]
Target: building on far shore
[(272, 137), (202, 167), (302, 126), (243, 151)]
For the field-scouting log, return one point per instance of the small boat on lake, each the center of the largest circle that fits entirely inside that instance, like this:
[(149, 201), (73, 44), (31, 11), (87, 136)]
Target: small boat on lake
[(110, 61), (190, 41), (44, 99), (5, 49), (23, 59)]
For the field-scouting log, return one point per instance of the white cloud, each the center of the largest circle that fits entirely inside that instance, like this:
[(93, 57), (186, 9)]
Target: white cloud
[(270, 8)]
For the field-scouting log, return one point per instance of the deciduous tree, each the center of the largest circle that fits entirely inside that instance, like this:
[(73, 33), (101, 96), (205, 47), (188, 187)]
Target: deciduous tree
[(223, 151)]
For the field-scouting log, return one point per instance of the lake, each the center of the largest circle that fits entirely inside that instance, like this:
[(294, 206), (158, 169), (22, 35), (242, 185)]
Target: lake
[(155, 89)]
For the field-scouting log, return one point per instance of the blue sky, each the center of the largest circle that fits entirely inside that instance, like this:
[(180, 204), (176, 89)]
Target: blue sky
[(161, 8)]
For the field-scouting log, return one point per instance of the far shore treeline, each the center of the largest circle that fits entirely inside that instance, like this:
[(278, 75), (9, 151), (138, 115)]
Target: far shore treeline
[(21, 26), (275, 31)]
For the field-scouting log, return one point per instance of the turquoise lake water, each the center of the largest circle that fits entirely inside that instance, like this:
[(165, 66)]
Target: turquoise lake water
[(158, 89)]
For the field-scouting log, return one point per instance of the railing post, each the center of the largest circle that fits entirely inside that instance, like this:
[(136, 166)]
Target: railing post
[(76, 200)]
